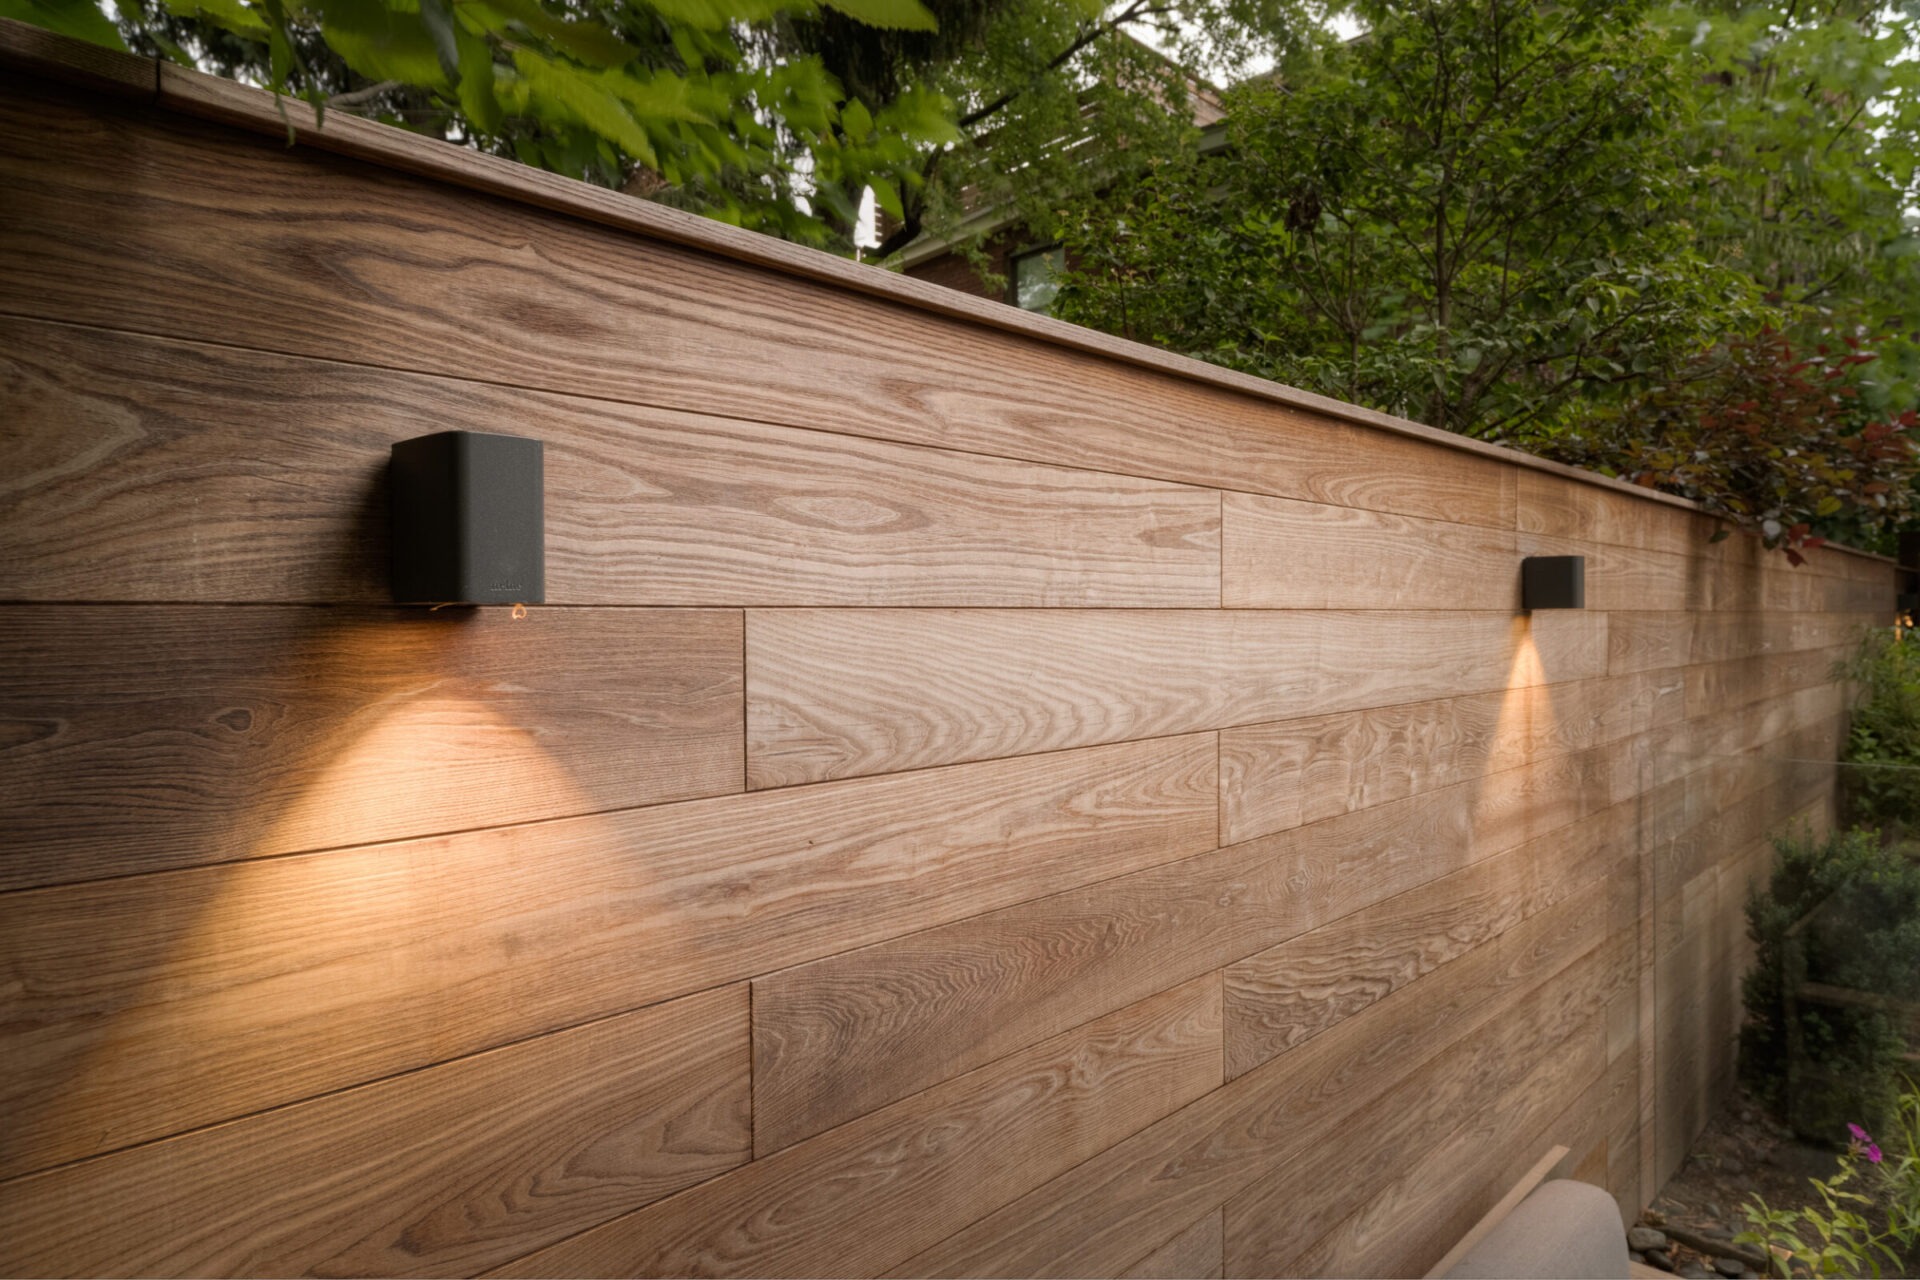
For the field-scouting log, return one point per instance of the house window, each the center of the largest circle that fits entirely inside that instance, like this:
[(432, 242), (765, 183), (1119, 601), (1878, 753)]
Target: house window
[(1036, 277)]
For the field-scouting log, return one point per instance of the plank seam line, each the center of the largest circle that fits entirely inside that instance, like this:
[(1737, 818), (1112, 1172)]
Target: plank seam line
[(664, 407), (1221, 970), (1194, 732), (1391, 1082), (1547, 1056), (907, 1097), (1867, 617), (1226, 970), (438, 375), (532, 823), (445, 164), (389, 1077)]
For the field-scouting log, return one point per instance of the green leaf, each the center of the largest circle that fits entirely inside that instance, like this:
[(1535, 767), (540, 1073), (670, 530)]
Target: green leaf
[(593, 43), (577, 94), (478, 97), (887, 197), (228, 15), (437, 17), (81, 18), (856, 121), (383, 43)]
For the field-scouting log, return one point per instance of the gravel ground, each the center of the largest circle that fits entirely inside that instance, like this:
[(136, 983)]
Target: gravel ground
[(1742, 1153)]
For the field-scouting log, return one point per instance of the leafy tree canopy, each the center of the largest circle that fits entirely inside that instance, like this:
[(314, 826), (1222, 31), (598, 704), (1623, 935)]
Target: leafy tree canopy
[(1570, 227), (780, 115)]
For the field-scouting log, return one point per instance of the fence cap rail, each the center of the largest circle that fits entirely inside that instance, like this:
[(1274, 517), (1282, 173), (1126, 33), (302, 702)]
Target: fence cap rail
[(31, 50)]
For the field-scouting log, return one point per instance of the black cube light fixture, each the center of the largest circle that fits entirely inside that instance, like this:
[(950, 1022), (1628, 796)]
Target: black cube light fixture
[(1553, 582), (468, 520)]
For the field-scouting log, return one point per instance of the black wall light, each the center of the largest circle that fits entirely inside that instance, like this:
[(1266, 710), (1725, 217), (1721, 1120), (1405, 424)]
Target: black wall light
[(1553, 582), (469, 519)]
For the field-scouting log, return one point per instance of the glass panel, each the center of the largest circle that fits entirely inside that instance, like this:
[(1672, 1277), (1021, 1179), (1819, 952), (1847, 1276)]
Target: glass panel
[(1036, 278)]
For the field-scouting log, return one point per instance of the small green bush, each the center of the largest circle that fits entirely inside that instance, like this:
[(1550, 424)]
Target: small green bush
[(1859, 898), (1883, 741), (1840, 1235)]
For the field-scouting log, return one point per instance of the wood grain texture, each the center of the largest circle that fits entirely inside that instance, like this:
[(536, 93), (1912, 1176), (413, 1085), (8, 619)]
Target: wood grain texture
[(212, 222), (1454, 1177), (1739, 682), (840, 1036), (1281, 554), (913, 1173), (1274, 1220), (34, 51), (1053, 801), (1280, 775), (1557, 507), (130, 466), (1284, 996), (148, 1005), (1081, 1223), (839, 693), (140, 739), (210, 97), (440, 1172), (1631, 578), (1196, 1252)]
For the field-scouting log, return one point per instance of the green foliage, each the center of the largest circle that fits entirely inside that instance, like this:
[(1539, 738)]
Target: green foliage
[(1834, 1239), (1062, 99), (1844, 912), (1883, 739), (1774, 442), (1852, 1231), (699, 101), (1669, 241), (1805, 128), (81, 18), (1467, 217), (1899, 1171), (780, 115)]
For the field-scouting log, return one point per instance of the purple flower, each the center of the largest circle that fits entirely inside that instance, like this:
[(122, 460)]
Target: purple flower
[(1863, 1144)]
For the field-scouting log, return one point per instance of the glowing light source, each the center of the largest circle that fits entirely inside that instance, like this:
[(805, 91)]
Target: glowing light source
[(468, 519), (1553, 582)]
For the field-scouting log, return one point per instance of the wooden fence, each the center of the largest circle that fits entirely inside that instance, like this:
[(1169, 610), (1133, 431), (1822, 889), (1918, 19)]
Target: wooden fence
[(983, 798)]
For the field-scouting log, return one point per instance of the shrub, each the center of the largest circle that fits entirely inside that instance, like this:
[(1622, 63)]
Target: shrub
[(1775, 440), (1843, 912), (1884, 737)]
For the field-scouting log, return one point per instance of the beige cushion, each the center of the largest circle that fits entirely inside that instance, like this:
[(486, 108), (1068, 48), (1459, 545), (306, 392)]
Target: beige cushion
[(1563, 1231)]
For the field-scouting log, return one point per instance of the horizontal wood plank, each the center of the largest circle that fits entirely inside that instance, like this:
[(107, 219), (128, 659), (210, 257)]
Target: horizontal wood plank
[(251, 985), (133, 472), (1286, 995), (1196, 1252), (913, 1173), (1275, 1221), (1739, 682), (440, 1172), (208, 223), (1282, 554), (1453, 1178), (838, 693), (289, 728), (1276, 776), (1557, 507), (1630, 578), (1452, 1023), (840, 1036)]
